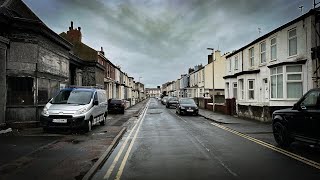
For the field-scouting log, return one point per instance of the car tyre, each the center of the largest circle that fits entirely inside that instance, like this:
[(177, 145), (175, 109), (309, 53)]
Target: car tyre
[(88, 126), (102, 123), (122, 112), (280, 133)]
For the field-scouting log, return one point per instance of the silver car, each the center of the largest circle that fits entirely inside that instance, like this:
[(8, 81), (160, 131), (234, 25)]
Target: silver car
[(75, 108)]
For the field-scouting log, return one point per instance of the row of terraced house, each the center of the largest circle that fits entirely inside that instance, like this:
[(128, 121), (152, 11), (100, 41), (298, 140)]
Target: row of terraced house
[(36, 62), (272, 72)]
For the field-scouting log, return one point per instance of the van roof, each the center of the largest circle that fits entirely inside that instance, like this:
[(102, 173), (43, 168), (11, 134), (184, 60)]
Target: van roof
[(83, 89)]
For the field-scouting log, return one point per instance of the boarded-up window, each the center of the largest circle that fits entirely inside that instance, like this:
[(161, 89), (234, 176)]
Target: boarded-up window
[(20, 91)]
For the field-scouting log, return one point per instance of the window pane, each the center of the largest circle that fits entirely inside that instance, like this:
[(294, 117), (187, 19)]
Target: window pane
[(43, 91), (263, 47), (273, 86), (251, 94), (273, 41), (280, 86), (294, 68), (20, 91), (294, 90), (251, 85), (293, 46), (273, 52), (279, 70), (263, 57), (274, 71), (292, 33), (54, 88), (294, 77)]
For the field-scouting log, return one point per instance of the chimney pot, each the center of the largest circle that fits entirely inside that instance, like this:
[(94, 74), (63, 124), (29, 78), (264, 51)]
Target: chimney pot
[(71, 24), (79, 28), (101, 49)]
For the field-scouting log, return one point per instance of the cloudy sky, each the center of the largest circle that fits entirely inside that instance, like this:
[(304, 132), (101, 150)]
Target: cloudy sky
[(160, 39)]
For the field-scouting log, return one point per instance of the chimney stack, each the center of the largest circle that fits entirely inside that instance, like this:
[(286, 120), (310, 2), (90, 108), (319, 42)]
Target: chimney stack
[(74, 35), (102, 50)]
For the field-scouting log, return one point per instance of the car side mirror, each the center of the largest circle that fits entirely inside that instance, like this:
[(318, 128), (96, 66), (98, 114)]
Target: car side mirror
[(95, 103)]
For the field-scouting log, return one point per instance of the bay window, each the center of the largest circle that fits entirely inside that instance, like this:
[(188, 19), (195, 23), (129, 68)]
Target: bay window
[(294, 81), (251, 89), (277, 82)]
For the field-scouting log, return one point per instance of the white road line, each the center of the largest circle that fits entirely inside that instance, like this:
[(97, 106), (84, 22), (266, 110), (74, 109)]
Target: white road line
[(116, 159), (125, 159)]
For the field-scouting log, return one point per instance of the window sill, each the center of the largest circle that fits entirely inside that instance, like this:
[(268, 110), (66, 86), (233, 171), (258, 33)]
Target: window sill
[(262, 64), (273, 60), (285, 99), (292, 56)]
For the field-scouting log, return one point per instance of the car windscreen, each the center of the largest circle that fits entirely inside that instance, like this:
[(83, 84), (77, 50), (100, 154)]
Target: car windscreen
[(173, 99), (115, 101), (72, 97), (187, 101)]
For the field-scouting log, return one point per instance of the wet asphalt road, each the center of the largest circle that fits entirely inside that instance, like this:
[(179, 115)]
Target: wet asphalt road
[(163, 145)]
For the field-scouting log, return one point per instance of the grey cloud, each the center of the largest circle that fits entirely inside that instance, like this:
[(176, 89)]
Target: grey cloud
[(160, 39)]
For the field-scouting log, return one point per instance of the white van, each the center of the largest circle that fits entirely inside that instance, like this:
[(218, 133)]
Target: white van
[(75, 108)]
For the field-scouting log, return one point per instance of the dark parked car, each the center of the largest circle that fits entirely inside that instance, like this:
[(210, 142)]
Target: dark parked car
[(299, 123), (172, 101), (187, 106), (164, 100), (116, 105)]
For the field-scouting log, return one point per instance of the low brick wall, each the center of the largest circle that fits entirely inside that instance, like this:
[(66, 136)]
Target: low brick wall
[(260, 113), (220, 108)]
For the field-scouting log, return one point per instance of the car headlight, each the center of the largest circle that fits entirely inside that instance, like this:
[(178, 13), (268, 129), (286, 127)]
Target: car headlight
[(82, 110), (181, 107), (45, 111)]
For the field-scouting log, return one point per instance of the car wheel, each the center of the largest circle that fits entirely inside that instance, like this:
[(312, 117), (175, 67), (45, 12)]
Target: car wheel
[(88, 126), (102, 123), (281, 135), (122, 112)]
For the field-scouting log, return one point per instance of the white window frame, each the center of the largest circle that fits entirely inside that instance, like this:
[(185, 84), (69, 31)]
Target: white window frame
[(236, 63), (283, 83), (253, 81), (293, 81), (290, 38), (263, 52), (251, 57), (275, 46), (241, 89), (235, 93)]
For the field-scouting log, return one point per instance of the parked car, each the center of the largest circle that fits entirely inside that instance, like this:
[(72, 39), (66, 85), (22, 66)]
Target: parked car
[(299, 123), (172, 101), (164, 100), (187, 106), (116, 105), (75, 108)]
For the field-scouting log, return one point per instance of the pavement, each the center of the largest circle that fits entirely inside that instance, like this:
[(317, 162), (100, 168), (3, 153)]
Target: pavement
[(32, 154), (163, 145)]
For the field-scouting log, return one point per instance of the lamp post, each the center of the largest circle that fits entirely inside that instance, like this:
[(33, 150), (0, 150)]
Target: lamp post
[(213, 58)]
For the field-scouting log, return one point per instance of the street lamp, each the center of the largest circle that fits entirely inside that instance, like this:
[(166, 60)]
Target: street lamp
[(212, 55)]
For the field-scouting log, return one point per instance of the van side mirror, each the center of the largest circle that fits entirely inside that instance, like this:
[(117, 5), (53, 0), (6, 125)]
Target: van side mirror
[(95, 103)]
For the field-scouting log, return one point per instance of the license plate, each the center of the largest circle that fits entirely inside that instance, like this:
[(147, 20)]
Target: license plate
[(59, 120), (189, 110)]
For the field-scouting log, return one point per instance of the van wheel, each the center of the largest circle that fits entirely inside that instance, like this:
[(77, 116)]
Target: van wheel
[(88, 126), (281, 135), (102, 123)]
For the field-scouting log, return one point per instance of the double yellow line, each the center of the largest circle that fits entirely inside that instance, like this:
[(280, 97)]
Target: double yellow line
[(267, 145), (124, 161)]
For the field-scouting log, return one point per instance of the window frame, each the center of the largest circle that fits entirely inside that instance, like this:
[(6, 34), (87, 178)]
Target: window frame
[(263, 52), (236, 62), (290, 38), (251, 57), (249, 89), (293, 81), (235, 93), (283, 83), (241, 89), (273, 45)]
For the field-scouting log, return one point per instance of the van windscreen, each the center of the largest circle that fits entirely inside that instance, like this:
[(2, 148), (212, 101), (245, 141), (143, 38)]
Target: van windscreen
[(73, 97)]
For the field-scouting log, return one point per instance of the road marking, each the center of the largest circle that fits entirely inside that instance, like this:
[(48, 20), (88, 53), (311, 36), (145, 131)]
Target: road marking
[(272, 147), (125, 159), (116, 159), (202, 144)]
